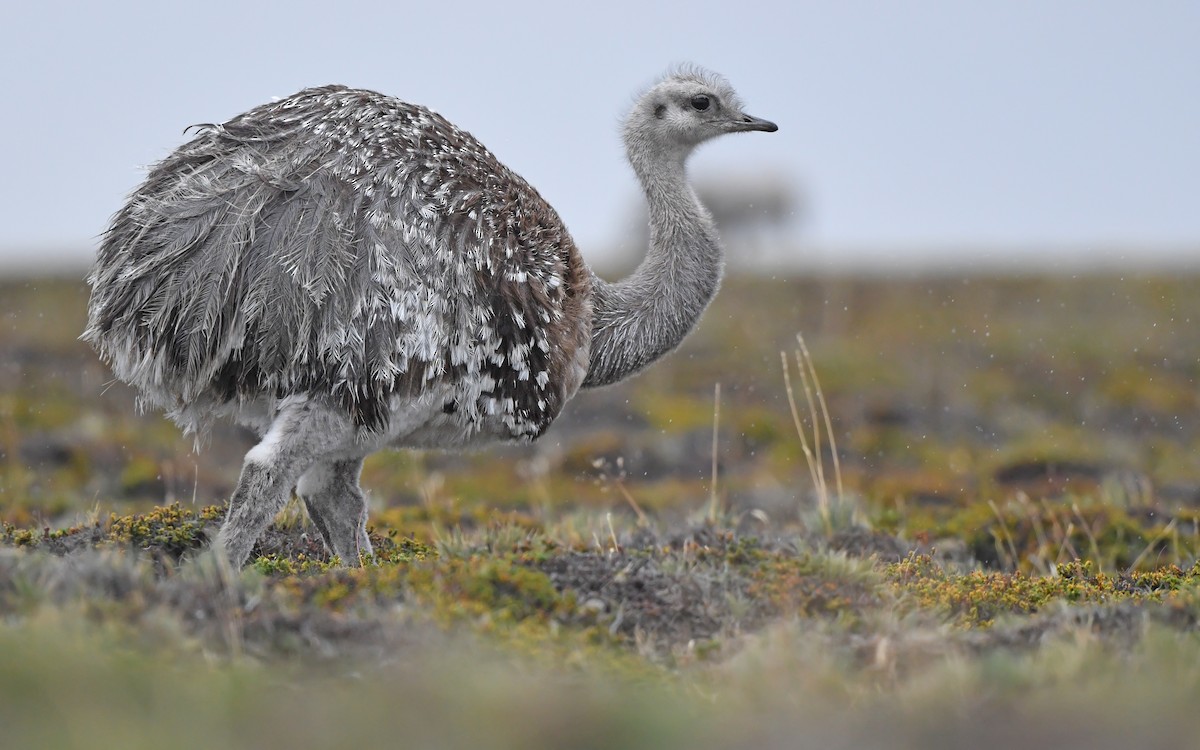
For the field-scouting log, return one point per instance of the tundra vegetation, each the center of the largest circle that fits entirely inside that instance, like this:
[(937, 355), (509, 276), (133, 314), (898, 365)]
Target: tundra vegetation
[(969, 515)]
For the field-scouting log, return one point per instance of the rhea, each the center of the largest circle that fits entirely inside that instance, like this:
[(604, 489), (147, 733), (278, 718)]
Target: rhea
[(342, 271)]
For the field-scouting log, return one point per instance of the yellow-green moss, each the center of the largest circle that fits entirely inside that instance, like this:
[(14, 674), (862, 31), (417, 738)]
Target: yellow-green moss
[(977, 598), (171, 528)]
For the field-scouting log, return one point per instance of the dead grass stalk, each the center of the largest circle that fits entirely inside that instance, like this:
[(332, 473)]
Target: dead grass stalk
[(811, 435)]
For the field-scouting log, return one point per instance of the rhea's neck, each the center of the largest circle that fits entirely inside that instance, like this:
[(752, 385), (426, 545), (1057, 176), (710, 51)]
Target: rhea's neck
[(640, 318)]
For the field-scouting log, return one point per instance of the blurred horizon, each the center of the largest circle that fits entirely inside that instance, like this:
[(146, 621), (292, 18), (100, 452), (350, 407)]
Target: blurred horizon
[(967, 259)]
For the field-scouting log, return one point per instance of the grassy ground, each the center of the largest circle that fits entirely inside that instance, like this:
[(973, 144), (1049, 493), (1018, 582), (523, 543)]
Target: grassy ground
[(1012, 556)]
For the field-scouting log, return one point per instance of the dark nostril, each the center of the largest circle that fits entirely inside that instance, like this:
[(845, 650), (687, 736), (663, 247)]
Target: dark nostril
[(746, 119)]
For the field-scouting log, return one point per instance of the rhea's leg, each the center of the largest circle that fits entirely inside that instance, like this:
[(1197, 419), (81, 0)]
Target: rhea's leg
[(337, 507), (301, 433)]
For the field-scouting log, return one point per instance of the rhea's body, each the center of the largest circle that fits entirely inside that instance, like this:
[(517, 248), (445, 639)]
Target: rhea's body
[(352, 247)]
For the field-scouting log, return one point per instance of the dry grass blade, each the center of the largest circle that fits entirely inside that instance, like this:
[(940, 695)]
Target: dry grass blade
[(1038, 558), (1166, 532), (833, 452), (612, 532), (806, 384), (713, 500), (800, 431), (1087, 530), (817, 476), (1066, 547), (811, 441), (643, 521), (1004, 539)]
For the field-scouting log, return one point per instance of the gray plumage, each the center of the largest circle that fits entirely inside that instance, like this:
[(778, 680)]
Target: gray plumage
[(342, 271)]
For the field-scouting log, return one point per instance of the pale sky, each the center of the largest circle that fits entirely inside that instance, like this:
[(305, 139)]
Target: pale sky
[(909, 126)]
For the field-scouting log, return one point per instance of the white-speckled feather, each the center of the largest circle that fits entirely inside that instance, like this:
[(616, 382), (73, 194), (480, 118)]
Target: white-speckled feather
[(345, 243)]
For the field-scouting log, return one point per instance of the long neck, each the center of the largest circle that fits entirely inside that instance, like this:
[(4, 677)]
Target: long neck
[(639, 319)]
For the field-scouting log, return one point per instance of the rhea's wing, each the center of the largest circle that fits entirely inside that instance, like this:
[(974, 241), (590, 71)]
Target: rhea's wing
[(344, 243), (235, 270)]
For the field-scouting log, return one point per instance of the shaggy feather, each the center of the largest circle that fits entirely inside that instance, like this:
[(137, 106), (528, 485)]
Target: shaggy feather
[(338, 242)]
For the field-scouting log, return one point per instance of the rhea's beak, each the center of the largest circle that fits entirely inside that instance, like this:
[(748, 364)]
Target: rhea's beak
[(747, 122)]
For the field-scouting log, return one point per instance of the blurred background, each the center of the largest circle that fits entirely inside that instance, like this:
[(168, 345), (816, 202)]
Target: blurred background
[(984, 218), (942, 174), (929, 135)]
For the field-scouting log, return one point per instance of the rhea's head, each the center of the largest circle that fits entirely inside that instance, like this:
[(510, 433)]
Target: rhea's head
[(686, 108)]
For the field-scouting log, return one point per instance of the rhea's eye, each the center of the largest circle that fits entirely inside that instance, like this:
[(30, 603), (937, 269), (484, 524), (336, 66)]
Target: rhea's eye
[(700, 102)]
